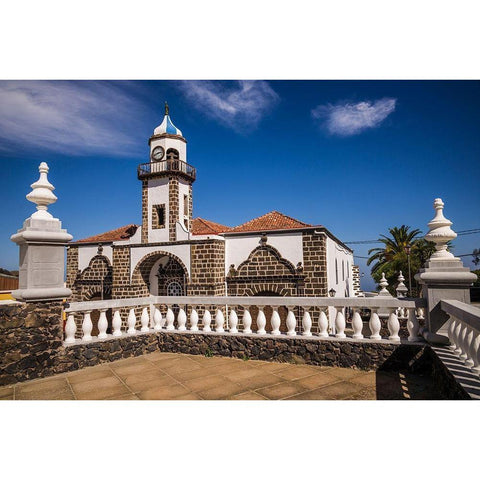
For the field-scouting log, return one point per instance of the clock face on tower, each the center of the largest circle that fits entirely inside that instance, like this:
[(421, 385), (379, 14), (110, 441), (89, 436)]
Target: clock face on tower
[(158, 153)]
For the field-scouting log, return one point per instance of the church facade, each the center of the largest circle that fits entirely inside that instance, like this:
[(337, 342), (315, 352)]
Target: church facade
[(171, 253)]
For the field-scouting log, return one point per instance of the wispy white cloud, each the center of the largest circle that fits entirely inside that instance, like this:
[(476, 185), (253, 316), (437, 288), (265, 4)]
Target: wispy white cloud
[(353, 118), (239, 105), (73, 118)]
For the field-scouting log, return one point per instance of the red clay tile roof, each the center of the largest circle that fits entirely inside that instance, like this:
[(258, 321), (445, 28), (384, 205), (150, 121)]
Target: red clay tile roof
[(270, 221), (201, 226), (122, 233)]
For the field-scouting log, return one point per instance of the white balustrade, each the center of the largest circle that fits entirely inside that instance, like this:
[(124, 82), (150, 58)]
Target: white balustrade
[(393, 325), (102, 324), (291, 323), (152, 320), (357, 324), (247, 321), (275, 321), (117, 324), (157, 320), (170, 317), (233, 321), (340, 323), (261, 322), (181, 320), (194, 320), (375, 324), (131, 321), (219, 321), (70, 329), (87, 327), (144, 320), (207, 320), (306, 324)]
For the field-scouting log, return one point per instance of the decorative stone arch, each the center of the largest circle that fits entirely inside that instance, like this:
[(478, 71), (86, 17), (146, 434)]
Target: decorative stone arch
[(259, 288), (141, 272), (267, 257)]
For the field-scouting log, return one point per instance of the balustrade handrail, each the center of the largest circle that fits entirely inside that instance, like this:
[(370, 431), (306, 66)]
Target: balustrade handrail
[(170, 165), (464, 312), (352, 302)]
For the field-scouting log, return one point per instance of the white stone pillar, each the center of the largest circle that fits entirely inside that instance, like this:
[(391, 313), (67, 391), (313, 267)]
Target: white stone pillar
[(42, 247)]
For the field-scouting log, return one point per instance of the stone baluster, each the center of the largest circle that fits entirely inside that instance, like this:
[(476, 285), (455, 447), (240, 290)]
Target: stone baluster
[(207, 320), (87, 326), (233, 321), (413, 326), (462, 340), (117, 324), (70, 329), (475, 353), (306, 323), (340, 323), (194, 320), (468, 346), (323, 324), (291, 323), (131, 320), (357, 324), (458, 345), (275, 321), (181, 319), (157, 320), (393, 325), (219, 321), (102, 324), (375, 324), (451, 333), (144, 320), (247, 321), (261, 321), (170, 319)]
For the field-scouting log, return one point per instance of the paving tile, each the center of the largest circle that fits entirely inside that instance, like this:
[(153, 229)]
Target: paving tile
[(99, 389), (6, 393), (204, 383), (155, 379), (50, 383), (189, 396), (163, 393), (211, 361), (58, 393), (180, 366), (316, 381), (244, 374), (85, 375), (136, 369), (272, 367), (346, 373), (283, 390), (367, 394), (259, 381), (367, 379), (335, 391), (225, 368), (247, 396), (128, 396), (296, 371), (222, 392), (181, 376)]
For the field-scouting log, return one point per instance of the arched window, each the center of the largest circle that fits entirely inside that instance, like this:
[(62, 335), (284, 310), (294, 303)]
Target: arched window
[(172, 154)]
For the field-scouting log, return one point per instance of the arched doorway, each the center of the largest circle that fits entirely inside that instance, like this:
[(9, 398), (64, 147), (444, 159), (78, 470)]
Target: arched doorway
[(282, 311), (170, 276)]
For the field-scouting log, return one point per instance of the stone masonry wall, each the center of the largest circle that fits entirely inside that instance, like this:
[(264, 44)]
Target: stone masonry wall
[(144, 211), (173, 207), (207, 268), (315, 265)]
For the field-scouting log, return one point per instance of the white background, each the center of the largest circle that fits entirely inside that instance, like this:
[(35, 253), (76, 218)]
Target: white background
[(249, 39)]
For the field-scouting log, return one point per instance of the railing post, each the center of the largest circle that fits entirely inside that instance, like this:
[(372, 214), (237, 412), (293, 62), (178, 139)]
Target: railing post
[(102, 324), (194, 320), (357, 324), (375, 324), (144, 320), (70, 329), (87, 326), (117, 324), (443, 277), (291, 323), (340, 323), (261, 321), (170, 319), (233, 321), (247, 320), (323, 324), (181, 319)]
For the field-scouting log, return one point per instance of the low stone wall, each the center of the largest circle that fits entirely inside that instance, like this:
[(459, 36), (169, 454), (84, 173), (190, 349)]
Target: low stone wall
[(31, 335)]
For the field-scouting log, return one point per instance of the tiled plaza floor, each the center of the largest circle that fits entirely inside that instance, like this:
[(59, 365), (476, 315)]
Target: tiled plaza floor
[(172, 376)]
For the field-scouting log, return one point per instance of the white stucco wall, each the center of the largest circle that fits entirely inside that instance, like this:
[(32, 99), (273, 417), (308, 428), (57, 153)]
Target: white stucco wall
[(183, 189), (158, 195), (344, 285), (86, 253), (181, 251), (237, 249), (167, 143)]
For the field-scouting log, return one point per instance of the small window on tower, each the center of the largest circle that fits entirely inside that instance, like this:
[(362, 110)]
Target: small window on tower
[(185, 205), (172, 154), (158, 216)]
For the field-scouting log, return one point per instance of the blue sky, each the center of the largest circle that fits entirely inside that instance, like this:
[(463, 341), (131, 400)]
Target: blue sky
[(355, 156)]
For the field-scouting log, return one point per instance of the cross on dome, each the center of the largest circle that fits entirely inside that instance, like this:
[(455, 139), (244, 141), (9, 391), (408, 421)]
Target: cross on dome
[(167, 125)]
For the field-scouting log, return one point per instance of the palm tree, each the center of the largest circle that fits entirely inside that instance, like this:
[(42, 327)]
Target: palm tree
[(392, 257)]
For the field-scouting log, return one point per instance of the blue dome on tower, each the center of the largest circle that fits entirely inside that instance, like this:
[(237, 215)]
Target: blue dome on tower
[(167, 125)]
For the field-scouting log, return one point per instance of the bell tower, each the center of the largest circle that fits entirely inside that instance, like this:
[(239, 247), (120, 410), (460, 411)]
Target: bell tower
[(166, 185)]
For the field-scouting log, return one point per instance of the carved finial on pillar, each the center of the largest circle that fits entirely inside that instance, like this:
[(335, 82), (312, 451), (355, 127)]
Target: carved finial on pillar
[(42, 194), (401, 287), (384, 284), (440, 233)]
